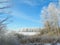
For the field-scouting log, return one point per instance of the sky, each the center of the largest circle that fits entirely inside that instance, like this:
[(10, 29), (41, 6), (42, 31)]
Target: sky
[(25, 13)]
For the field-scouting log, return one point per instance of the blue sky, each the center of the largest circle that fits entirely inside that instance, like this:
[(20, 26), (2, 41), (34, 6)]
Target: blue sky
[(26, 13)]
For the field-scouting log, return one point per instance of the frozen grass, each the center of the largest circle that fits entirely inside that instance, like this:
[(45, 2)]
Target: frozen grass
[(9, 39)]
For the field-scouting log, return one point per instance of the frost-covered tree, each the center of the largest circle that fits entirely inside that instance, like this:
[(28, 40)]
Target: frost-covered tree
[(51, 17), (4, 5), (6, 37)]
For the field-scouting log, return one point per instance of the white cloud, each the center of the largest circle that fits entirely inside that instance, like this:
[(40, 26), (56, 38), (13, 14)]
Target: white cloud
[(32, 2), (3, 0), (23, 16)]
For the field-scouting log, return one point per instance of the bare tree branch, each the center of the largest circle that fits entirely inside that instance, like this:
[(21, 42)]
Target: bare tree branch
[(5, 7), (4, 20)]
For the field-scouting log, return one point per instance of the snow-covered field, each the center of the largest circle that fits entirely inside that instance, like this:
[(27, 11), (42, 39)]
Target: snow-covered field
[(28, 33)]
